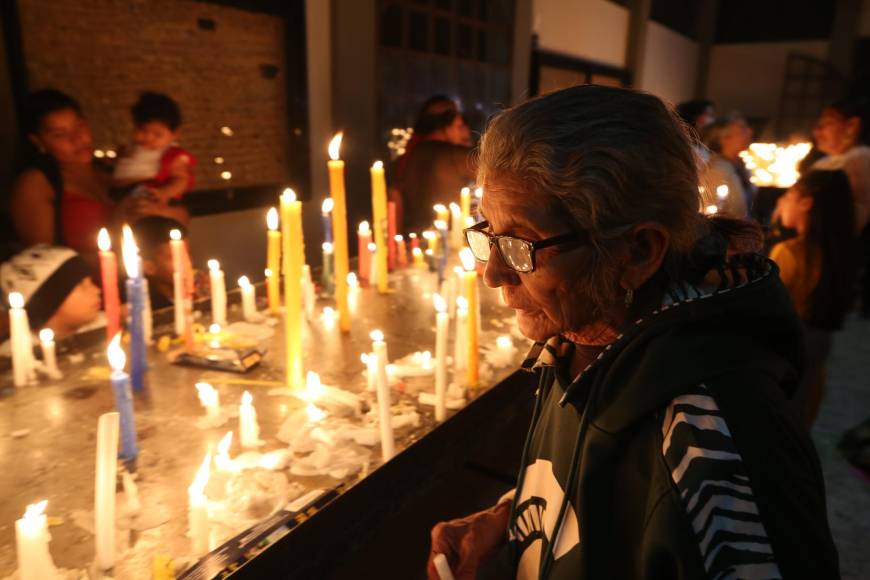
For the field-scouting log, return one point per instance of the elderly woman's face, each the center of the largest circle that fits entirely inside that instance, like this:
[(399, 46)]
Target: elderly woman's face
[(550, 300)]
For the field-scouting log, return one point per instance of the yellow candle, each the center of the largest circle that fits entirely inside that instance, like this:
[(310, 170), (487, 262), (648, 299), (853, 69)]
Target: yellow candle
[(291, 223), (465, 203), (379, 213), (469, 283), (273, 261), (432, 240), (418, 258), (339, 231), (441, 212)]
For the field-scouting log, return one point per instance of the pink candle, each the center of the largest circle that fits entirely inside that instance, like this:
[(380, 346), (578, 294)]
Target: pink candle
[(391, 234), (109, 272), (364, 238)]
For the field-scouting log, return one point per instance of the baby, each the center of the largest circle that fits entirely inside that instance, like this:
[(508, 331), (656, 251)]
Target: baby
[(156, 166)]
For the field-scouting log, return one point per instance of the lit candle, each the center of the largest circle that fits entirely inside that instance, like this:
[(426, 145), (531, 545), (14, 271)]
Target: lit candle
[(136, 301), (371, 363), (352, 290), (504, 351), (49, 356), (379, 350), (417, 255), (339, 231), (23, 366), (123, 399), (104, 489), (249, 429), (372, 250), (249, 300), (460, 345), (441, 212), (363, 239), (392, 226), (401, 254), (273, 261), (326, 277), (328, 316), (430, 259), (441, 226), (441, 322), (291, 221), (464, 204), (197, 513), (379, 215), (109, 275), (218, 293), (326, 216), (309, 295), (31, 543), (176, 245), (469, 278), (721, 196), (711, 209), (431, 241), (210, 399), (415, 241), (456, 225)]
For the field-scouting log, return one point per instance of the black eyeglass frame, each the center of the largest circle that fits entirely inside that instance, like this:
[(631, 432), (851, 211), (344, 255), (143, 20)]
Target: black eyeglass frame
[(533, 246)]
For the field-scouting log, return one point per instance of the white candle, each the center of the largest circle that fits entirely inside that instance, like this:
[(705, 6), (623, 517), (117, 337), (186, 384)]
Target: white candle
[(197, 514), (504, 351), (309, 292), (328, 316), (209, 397), (249, 429), (456, 225), (177, 247), (108, 426), (49, 355), (249, 304), (460, 347), (441, 321), (379, 349), (371, 363), (23, 368), (218, 293), (31, 542)]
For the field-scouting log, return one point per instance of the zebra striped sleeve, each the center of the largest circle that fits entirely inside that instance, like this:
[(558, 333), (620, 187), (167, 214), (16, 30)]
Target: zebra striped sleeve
[(714, 489)]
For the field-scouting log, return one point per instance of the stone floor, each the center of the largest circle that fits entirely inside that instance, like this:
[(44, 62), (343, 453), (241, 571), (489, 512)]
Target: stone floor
[(847, 403)]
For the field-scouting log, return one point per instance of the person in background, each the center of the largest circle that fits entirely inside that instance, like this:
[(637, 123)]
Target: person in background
[(818, 268), (726, 138), (156, 167), (57, 289), (60, 196), (697, 113), (152, 236), (436, 163)]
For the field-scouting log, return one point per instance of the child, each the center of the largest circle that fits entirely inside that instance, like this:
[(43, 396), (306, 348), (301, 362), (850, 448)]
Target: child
[(156, 165), (57, 289), (818, 269)]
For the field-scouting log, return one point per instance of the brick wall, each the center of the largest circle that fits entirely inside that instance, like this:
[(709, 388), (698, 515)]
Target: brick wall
[(104, 52)]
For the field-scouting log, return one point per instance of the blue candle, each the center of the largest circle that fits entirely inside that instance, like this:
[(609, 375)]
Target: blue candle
[(136, 303), (123, 399), (326, 215)]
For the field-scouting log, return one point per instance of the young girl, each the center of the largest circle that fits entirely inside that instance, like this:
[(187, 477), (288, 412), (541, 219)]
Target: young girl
[(818, 269)]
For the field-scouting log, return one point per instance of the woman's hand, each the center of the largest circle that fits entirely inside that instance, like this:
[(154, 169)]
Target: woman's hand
[(469, 541)]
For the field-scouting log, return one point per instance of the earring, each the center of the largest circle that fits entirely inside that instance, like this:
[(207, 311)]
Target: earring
[(629, 298)]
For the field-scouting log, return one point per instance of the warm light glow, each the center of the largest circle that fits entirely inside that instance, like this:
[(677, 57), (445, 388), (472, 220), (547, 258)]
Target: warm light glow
[(46, 335), (372, 247), (227, 175), (208, 395), (440, 304), (429, 252), (314, 413), (352, 280), (214, 265), (376, 336), (268, 272), (504, 342), (201, 480), (439, 208), (327, 205), (335, 146), (16, 300), (227, 131), (462, 303), (364, 228), (328, 313), (412, 235), (378, 165), (711, 209), (104, 242), (35, 510), (111, 154), (214, 328), (467, 259), (364, 358), (417, 252), (288, 196), (774, 165), (99, 153), (426, 359), (428, 235), (455, 209), (399, 238), (313, 387), (272, 219), (478, 193), (131, 252), (219, 160), (115, 354), (469, 221), (244, 282), (175, 235), (327, 247), (247, 399), (223, 446), (440, 225), (722, 191)]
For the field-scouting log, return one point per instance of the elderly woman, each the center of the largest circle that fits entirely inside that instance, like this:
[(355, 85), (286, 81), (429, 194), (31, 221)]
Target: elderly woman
[(662, 445), (726, 138)]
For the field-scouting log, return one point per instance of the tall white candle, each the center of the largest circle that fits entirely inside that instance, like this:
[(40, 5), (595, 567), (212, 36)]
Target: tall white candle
[(209, 398), (249, 429), (249, 303), (368, 359), (49, 355), (177, 247), (218, 293), (460, 345), (197, 514), (456, 226), (309, 293), (31, 542), (379, 349), (104, 502), (441, 321), (23, 368)]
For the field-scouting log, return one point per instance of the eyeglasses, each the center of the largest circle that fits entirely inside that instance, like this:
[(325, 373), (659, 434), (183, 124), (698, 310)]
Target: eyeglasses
[(517, 253)]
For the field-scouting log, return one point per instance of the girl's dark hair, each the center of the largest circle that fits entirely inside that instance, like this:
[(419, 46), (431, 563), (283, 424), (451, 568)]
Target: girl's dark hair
[(831, 233), (436, 113), (41, 103), (156, 107), (851, 107)]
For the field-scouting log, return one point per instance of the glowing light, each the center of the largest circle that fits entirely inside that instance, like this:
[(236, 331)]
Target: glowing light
[(244, 282), (131, 253), (378, 165), (412, 236), (439, 208), (227, 175), (467, 259), (99, 153), (372, 247), (111, 154), (335, 146), (454, 208), (272, 219), (16, 300), (327, 247), (399, 238), (35, 510), (46, 335), (247, 399), (315, 413), (175, 235), (208, 395), (219, 160), (722, 191), (214, 328), (478, 193), (328, 314), (440, 304), (314, 389), (327, 205), (711, 209), (104, 242), (462, 303), (504, 342), (223, 446), (268, 272), (352, 280), (428, 235), (440, 225), (201, 480), (416, 252), (288, 196), (214, 265), (364, 228), (376, 336), (115, 354), (774, 165), (227, 131)]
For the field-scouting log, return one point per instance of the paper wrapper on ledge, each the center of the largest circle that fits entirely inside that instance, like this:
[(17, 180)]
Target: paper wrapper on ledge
[(221, 359)]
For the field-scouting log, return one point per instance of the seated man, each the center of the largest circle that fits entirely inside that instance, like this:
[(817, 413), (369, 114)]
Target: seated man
[(152, 236)]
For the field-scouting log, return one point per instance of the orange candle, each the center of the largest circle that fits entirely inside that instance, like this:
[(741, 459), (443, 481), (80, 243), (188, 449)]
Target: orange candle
[(339, 231), (291, 223), (469, 283), (109, 273), (273, 261)]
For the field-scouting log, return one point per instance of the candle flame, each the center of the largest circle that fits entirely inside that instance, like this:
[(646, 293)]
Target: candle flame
[(412, 235), (454, 208), (430, 252), (288, 196), (268, 272), (244, 282), (315, 413), (469, 221), (416, 251), (467, 259), (199, 482), (351, 279), (399, 238), (440, 304), (227, 175), (46, 335), (327, 205), (247, 399), (428, 235), (504, 341), (465, 191), (376, 336), (335, 145), (115, 354), (426, 359), (131, 253), (378, 165), (104, 242), (314, 389), (35, 510), (272, 219), (722, 191), (364, 358), (327, 247), (478, 193), (16, 300), (462, 303), (458, 269), (214, 328), (439, 208), (328, 313), (440, 225), (372, 247), (711, 209), (214, 265), (364, 227)]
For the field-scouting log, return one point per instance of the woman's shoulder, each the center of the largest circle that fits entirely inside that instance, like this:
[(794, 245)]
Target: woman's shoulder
[(32, 181)]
